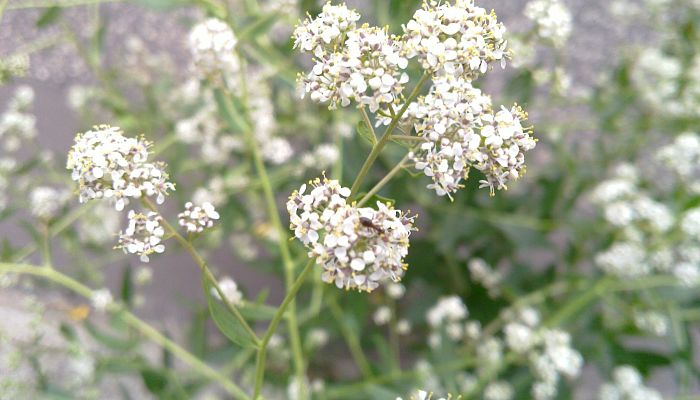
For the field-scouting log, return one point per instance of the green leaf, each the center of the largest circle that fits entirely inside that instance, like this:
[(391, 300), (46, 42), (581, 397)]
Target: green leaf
[(237, 108), (155, 381), (258, 27), (366, 132), (160, 5), (225, 321), (376, 197), (127, 287), (110, 341), (257, 311), (48, 17)]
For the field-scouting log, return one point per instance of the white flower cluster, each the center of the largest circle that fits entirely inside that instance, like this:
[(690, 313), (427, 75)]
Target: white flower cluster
[(143, 235), (424, 395), (361, 64), (13, 66), (195, 219), (201, 127), (448, 315), (100, 225), (549, 351), (627, 385), (106, 164), (359, 248), (667, 83), (17, 125), (459, 39), (45, 202), (488, 277), (652, 322), (683, 158), (644, 224), (212, 44), (230, 289), (462, 131), (499, 390), (552, 20)]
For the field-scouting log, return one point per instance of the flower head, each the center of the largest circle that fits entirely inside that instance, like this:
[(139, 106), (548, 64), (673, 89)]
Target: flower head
[(460, 39), (359, 248), (212, 45), (143, 235), (195, 219), (106, 164)]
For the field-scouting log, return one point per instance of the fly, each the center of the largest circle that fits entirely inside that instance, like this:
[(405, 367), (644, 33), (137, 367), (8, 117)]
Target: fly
[(367, 223)]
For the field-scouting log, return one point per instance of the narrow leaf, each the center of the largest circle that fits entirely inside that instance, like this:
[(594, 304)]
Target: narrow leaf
[(366, 132), (225, 321)]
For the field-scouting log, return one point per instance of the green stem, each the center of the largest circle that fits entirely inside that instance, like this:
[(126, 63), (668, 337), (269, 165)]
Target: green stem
[(387, 136), (3, 4), (282, 242), (141, 326), (288, 300), (578, 303), (384, 181), (204, 267), (56, 228)]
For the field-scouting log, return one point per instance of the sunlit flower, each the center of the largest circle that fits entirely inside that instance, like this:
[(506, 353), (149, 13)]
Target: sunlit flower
[(359, 248), (106, 164)]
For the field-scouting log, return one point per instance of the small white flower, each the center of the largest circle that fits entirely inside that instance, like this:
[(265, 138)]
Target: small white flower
[(195, 219), (230, 289), (143, 235), (101, 299), (382, 315)]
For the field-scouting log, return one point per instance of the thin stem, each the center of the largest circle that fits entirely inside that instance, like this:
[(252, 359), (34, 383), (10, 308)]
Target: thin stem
[(262, 351), (3, 4), (282, 242), (55, 229), (208, 275), (580, 302), (387, 135), (368, 122), (141, 326), (351, 339), (384, 181), (18, 5), (408, 137)]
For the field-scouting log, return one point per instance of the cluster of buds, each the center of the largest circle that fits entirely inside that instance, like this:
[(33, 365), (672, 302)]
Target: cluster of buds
[(462, 131), (460, 39), (358, 247), (362, 64), (195, 219), (143, 235), (106, 164)]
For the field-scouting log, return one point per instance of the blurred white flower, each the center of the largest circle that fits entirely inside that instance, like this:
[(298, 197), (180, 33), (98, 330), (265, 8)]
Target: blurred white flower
[(552, 20), (45, 202), (101, 299), (212, 46), (230, 289)]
